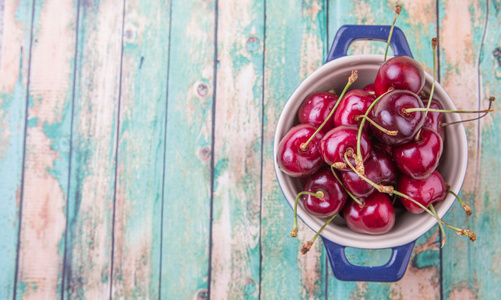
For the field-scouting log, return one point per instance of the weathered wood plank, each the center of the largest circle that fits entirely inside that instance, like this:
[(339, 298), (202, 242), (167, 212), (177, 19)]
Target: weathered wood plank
[(295, 46), (471, 69), (235, 264), (136, 257), (187, 184), (47, 151), (92, 177), (418, 22), (16, 22)]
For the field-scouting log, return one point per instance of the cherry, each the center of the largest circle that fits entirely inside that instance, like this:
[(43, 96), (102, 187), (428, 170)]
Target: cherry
[(379, 168), (292, 158), (340, 140), (333, 195), (433, 119), (401, 73), (390, 113), (425, 191), (417, 159), (369, 88), (354, 103), (316, 108), (377, 216)]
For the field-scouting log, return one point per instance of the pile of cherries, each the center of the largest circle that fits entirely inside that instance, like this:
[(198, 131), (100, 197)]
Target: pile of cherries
[(368, 150)]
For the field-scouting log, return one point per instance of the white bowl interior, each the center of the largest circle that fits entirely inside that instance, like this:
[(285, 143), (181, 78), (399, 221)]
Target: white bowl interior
[(408, 227)]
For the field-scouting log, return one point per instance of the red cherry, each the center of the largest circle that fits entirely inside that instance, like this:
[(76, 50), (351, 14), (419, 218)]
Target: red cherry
[(389, 113), (334, 196), (292, 159), (377, 216), (401, 73), (369, 88), (418, 159), (379, 168), (339, 140), (425, 191), (354, 103), (315, 109)]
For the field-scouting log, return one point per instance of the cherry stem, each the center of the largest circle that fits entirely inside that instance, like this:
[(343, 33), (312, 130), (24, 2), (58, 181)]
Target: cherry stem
[(318, 194), (398, 9), (491, 100), (388, 132), (465, 206), (360, 203), (308, 244), (411, 110), (444, 238), (434, 47), (353, 77), (358, 157), (390, 190)]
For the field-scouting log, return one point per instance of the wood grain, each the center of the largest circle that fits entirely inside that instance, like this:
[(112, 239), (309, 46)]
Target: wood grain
[(295, 47), (423, 273), (136, 256), (14, 65), (47, 151), (187, 184), (93, 154), (235, 264)]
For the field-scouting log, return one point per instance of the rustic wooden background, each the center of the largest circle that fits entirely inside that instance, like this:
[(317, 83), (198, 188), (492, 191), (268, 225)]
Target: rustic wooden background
[(136, 148)]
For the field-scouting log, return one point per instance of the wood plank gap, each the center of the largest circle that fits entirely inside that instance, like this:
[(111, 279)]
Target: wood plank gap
[(24, 153), (63, 289), (213, 144), (165, 154), (117, 142)]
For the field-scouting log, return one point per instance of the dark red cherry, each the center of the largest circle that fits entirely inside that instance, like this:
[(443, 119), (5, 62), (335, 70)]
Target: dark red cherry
[(418, 159), (379, 168), (339, 140), (354, 103), (295, 161), (377, 216), (369, 88), (425, 191), (400, 73), (434, 119), (334, 196), (315, 109), (389, 113)]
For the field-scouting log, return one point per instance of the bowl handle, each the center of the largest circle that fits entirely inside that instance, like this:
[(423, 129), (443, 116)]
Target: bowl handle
[(392, 271), (349, 33)]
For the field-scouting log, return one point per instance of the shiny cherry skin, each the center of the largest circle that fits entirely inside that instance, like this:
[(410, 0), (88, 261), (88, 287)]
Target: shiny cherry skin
[(315, 109), (389, 113), (354, 103), (418, 159), (433, 120), (294, 161), (400, 73), (377, 216), (379, 168), (425, 191), (369, 88), (339, 140), (334, 195)]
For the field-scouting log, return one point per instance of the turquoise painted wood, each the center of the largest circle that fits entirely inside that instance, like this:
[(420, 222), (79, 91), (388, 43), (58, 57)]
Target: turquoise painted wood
[(15, 54), (188, 155), (136, 142)]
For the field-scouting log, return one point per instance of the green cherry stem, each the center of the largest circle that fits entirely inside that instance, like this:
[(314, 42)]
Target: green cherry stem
[(308, 244), (434, 47), (360, 203), (465, 206), (491, 100), (318, 194), (411, 110), (353, 77), (388, 132), (390, 190), (358, 157), (444, 238), (398, 9)]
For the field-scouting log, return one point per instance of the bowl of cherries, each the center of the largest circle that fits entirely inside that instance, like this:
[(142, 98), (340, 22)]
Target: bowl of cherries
[(364, 153)]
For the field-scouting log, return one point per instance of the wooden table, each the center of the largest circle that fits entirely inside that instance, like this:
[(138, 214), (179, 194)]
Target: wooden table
[(136, 144)]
